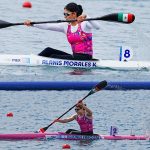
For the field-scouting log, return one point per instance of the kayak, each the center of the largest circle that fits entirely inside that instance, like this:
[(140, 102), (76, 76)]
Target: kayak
[(64, 136), (35, 60)]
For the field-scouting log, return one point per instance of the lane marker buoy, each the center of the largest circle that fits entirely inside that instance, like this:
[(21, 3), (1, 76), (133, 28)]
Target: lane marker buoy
[(27, 4)]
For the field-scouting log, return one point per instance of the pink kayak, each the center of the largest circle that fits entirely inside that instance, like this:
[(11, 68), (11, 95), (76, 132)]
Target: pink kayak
[(64, 136)]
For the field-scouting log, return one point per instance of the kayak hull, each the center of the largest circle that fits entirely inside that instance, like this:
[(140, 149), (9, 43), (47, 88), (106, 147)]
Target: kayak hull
[(35, 60), (64, 136)]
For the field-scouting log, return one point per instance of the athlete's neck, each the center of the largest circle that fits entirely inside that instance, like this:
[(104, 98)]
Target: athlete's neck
[(81, 114), (74, 23)]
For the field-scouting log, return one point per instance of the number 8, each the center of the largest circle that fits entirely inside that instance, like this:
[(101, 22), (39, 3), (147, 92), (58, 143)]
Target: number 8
[(127, 53)]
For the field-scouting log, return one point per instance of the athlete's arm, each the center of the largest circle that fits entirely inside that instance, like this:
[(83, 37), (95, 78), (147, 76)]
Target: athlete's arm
[(66, 120), (87, 26), (60, 27)]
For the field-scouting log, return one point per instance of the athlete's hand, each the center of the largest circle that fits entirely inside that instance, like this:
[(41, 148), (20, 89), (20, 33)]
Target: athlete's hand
[(79, 103), (27, 23), (81, 18), (56, 120)]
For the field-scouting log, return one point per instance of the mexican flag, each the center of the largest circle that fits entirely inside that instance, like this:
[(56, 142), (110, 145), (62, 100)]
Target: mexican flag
[(125, 17)]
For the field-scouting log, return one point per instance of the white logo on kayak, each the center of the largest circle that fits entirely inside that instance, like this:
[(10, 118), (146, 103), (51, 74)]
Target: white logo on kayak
[(23, 60), (16, 60)]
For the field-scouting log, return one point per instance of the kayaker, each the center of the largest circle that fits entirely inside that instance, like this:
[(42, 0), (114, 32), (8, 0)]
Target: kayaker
[(79, 34), (83, 117)]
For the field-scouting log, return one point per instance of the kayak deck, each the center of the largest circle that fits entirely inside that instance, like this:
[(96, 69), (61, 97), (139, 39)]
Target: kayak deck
[(64, 136)]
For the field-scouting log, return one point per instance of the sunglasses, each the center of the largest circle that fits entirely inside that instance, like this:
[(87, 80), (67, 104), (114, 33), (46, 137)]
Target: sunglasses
[(77, 109), (67, 14)]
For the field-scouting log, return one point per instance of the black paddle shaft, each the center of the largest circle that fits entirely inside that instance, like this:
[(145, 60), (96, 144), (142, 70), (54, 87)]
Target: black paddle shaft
[(114, 17)]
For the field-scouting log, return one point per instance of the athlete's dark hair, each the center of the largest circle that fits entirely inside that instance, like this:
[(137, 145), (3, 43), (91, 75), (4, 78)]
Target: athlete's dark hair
[(73, 7)]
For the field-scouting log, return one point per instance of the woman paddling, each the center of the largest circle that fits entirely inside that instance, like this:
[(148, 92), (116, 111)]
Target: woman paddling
[(83, 117), (79, 34)]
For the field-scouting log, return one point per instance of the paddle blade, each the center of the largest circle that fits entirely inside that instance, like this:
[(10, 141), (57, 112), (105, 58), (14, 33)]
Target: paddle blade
[(42, 130), (4, 24), (98, 87), (101, 85), (118, 17)]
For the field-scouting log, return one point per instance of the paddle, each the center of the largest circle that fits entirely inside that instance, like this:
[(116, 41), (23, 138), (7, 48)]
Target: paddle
[(95, 89), (115, 17)]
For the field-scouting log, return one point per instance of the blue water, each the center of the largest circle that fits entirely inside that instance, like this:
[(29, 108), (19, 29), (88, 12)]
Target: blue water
[(128, 110)]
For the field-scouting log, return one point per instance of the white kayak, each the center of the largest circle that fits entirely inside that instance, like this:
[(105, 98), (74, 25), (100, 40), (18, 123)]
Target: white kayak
[(35, 60)]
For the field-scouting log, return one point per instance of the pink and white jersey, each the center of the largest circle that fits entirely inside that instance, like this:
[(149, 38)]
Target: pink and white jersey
[(86, 124), (81, 42), (79, 36)]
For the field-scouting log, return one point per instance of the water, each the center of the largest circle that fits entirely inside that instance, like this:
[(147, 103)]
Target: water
[(128, 110)]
